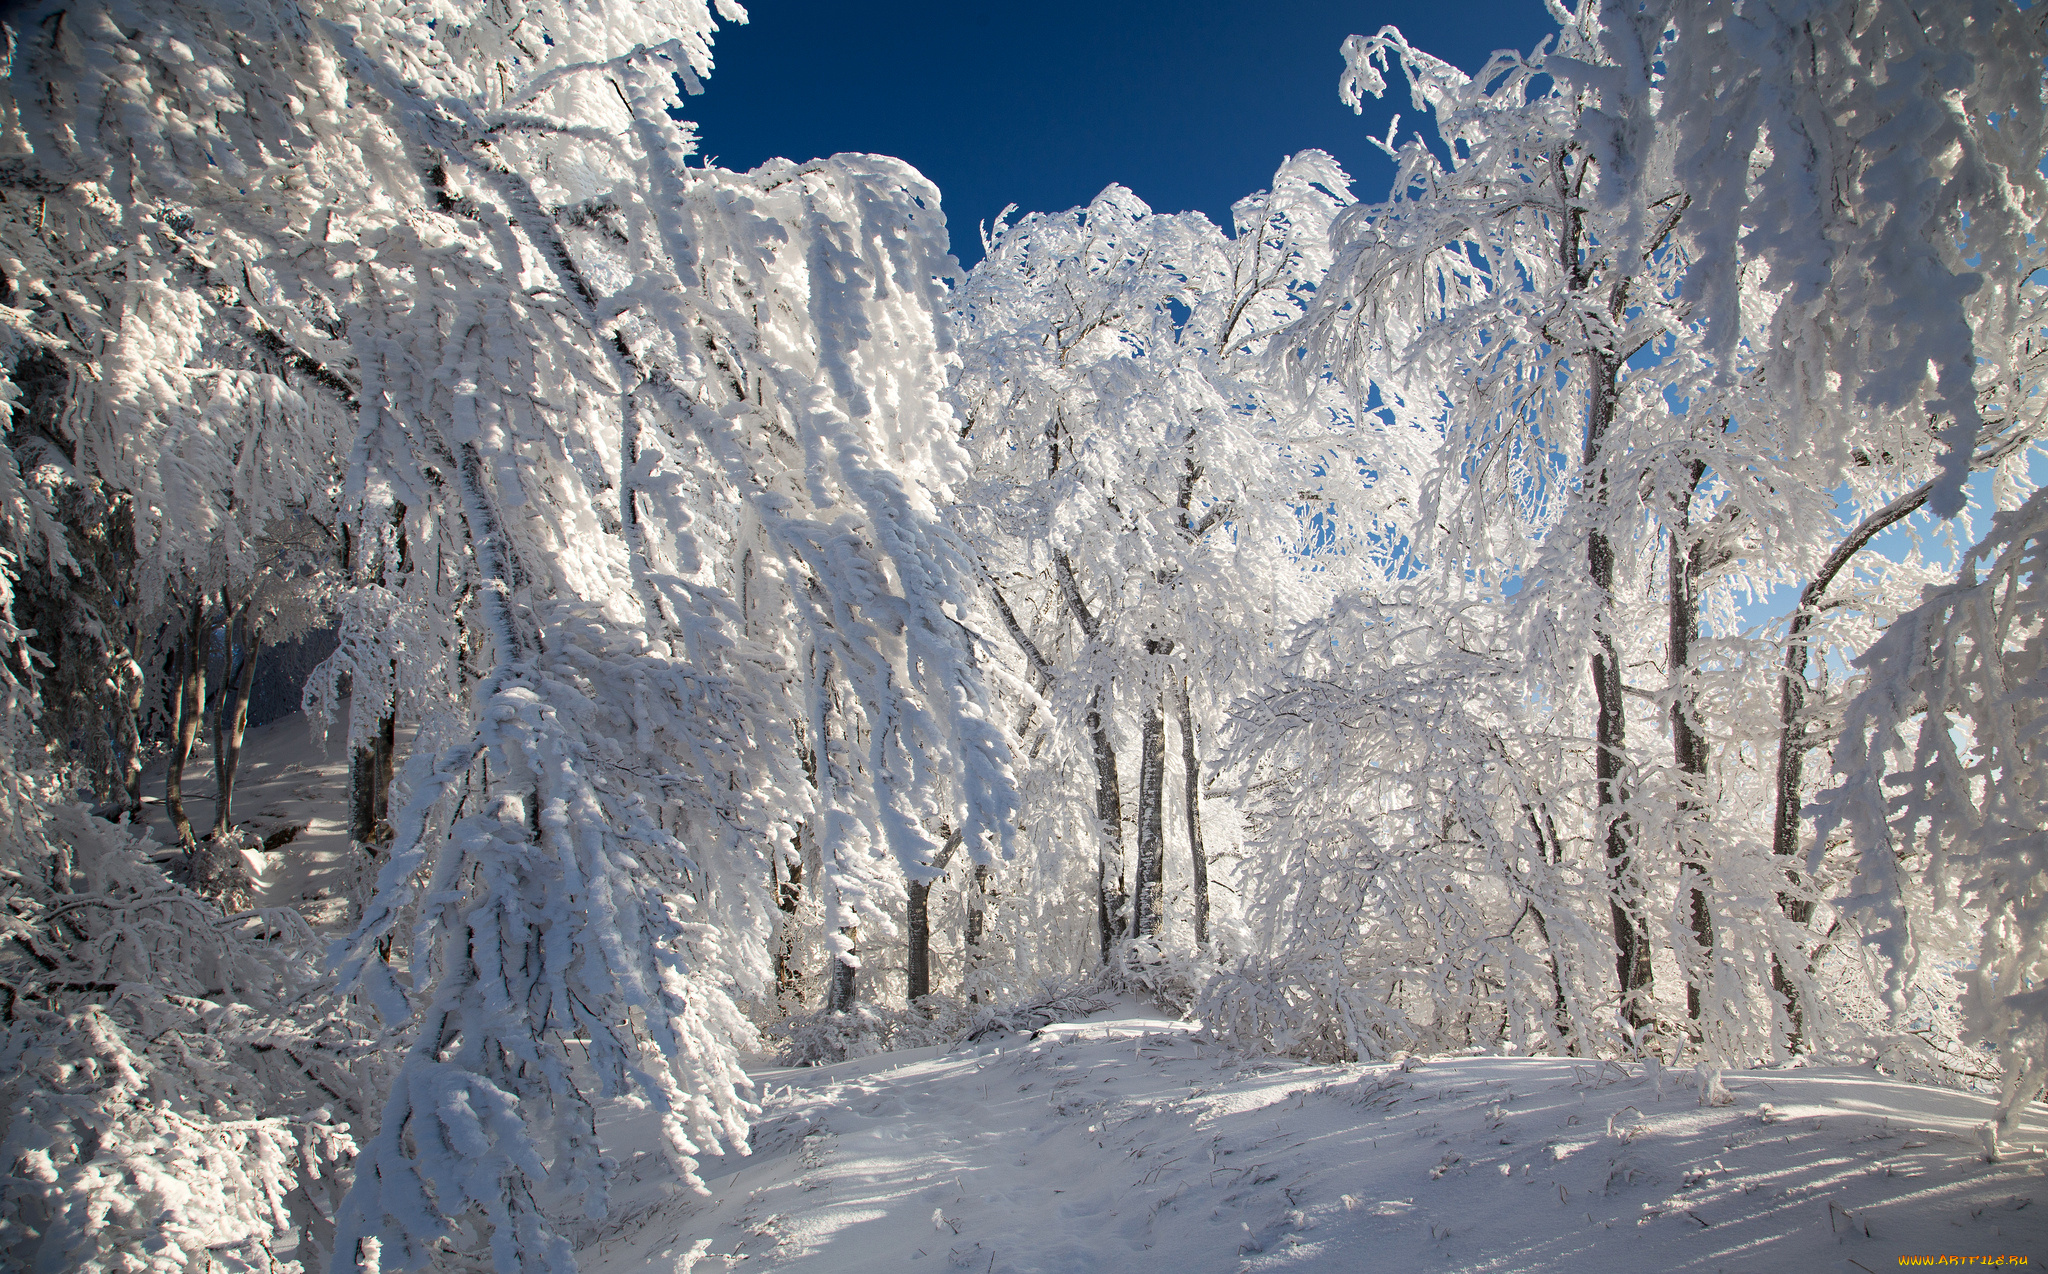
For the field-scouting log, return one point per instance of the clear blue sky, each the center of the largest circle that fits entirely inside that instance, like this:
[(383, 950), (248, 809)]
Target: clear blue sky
[(1192, 105)]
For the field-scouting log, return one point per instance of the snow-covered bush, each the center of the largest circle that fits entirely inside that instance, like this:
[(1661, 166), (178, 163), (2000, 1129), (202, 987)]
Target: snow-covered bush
[(825, 1036), (1412, 891), (181, 1085), (1291, 1006)]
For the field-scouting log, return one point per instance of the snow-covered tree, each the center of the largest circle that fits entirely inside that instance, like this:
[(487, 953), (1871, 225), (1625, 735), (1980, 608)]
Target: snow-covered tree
[(1940, 793), (1135, 491), (639, 508), (1625, 393), (1863, 195), (1862, 179), (1496, 301)]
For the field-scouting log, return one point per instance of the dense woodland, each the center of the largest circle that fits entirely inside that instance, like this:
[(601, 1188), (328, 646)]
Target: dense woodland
[(1586, 599)]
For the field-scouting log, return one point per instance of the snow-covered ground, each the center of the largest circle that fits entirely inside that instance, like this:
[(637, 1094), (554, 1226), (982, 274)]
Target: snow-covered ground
[(289, 779), (1120, 1142)]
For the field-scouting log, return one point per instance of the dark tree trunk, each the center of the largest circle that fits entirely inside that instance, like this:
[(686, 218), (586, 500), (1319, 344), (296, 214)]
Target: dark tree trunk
[(977, 926), (1578, 258), (1793, 740), (190, 709), (232, 717), (920, 954), (1150, 877), (387, 754), (1109, 817), (1689, 750), (789, 893), (370, 764), (845, 973), (1190, 474), (918, 958), (1617, 833), (369, 786), (1109, 801), (1191, 771), (130, 726)]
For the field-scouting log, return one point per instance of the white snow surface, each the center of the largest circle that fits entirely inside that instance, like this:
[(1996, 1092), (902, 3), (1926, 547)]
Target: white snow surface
[(1122, 1142)]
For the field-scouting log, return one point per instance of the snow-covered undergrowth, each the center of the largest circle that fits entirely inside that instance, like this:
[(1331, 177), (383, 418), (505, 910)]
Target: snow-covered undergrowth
[(865, 1030), (181, 1091), (1124, 1141)]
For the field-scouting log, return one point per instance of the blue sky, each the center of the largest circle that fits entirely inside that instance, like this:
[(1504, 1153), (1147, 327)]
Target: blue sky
[(1192, 105)]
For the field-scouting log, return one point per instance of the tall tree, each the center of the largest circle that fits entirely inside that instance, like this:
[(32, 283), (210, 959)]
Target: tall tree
[(1135, 469), (1866, 191), (1497, 276), (578, 382)]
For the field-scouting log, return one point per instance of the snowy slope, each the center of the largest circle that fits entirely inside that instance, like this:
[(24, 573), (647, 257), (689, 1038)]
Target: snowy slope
[(1125, 1144)]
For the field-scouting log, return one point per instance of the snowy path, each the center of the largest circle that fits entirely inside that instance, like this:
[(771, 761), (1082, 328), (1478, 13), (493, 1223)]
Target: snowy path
[(1120, 1144)]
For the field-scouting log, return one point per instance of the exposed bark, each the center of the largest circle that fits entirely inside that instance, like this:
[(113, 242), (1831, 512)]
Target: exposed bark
[(1617, 832), (1689, 746), (369, 786), (1191, 771), (231, 719), (788, 892), (977, 927), (810, 864), (130, 738), (1579, 258), (1109, 804), (919, 963), (918, 956), (1109, 818), (1147, 909), (1041, 668), (190, 709), (1793, 743), (1613, 827), (1190, 474), (845, 974), (370, 765)]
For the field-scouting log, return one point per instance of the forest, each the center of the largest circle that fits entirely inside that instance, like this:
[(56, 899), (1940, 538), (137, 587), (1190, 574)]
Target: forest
[(1585, 601)]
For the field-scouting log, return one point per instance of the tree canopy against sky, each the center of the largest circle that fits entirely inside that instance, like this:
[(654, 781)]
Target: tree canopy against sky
[(1189, 106)]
